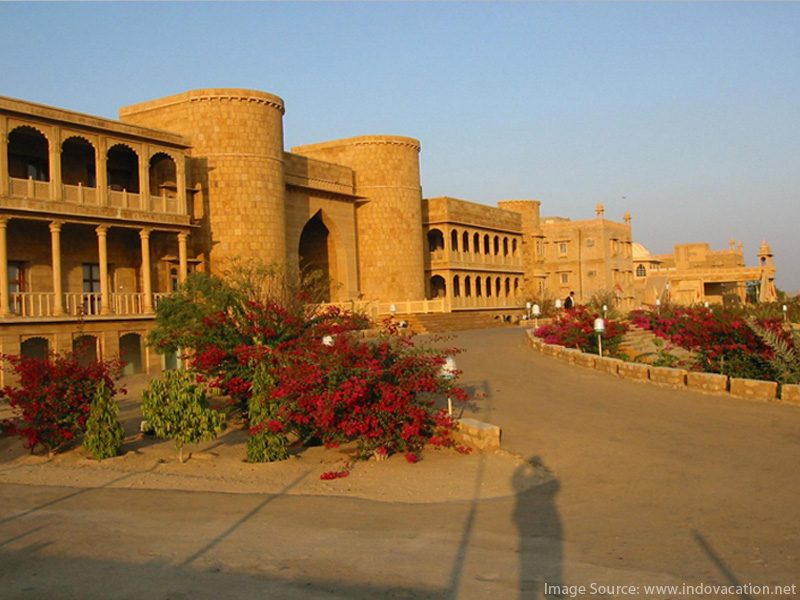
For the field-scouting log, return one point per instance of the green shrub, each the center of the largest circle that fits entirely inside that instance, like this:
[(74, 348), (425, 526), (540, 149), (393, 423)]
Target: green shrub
[(264, 444), (104, 433)]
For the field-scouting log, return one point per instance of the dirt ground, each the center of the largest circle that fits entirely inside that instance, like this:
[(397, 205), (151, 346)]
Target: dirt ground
[(219, 466)]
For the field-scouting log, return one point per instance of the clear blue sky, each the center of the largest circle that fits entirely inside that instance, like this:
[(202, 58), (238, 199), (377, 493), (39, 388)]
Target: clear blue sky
[(685, 114)]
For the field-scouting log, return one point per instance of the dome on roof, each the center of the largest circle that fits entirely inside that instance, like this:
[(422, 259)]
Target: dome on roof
[(639, 251)]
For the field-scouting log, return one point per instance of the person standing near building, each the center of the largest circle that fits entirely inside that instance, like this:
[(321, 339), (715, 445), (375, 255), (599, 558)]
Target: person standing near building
[(569, 301)]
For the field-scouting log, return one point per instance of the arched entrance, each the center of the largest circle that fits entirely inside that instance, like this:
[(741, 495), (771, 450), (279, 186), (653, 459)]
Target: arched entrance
[(130, 350), (318, 258), (438, 287)]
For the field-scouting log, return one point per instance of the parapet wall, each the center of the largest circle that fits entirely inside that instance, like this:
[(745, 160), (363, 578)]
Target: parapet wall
[(765, 391)]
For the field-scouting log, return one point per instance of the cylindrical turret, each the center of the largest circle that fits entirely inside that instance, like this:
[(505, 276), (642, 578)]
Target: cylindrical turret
[(237, 158), (389, 222)]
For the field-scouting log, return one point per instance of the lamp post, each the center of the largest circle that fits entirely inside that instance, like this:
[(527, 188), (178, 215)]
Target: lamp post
[(785, 313), (528, 310), (536, 312), (558, 303), (605, 311), (448, 373), (658, 304), (599, 328)]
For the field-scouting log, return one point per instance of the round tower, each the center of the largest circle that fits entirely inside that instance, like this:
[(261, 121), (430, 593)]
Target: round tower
[(389, 220), (237, 158)]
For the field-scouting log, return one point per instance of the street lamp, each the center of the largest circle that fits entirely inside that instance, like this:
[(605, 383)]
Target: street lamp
[(536, 312), (448, 373), (528, 309), (599, 329), (785, 313), (605, 311), (558, 303), (658, 304)]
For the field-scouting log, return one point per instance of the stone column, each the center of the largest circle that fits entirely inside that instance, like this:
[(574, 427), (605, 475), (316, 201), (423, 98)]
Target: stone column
[(147, 284), (144, 177), (102, 248), (56, 191), (180, 181), (4, 295), (55, 244), (183, 263), (3, 155), (101, 170)]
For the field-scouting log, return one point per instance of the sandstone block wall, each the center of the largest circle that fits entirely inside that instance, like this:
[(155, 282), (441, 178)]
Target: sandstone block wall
[(389, 224), (237, 158)]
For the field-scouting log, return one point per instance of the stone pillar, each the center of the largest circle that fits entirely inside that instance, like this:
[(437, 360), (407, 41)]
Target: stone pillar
[(183, 263), (101, 170), (55, 244), (180, 182), (3, 155), (144, 176), (4, 295), (102, 248), (147, 283), (56, 191)]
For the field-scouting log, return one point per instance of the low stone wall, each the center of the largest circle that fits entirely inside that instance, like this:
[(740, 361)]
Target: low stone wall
[(477, 434), (766, 391)]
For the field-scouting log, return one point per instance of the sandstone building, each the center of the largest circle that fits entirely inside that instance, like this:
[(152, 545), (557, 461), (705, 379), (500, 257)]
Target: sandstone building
[(101, 218)]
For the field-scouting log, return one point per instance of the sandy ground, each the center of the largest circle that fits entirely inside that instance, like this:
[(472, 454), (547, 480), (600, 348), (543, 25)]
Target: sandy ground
[(219, 466)]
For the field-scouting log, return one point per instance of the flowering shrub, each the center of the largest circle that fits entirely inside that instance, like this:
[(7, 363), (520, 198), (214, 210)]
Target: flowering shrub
[(722, 341), (574, 328), (53, 397), (268, 356)]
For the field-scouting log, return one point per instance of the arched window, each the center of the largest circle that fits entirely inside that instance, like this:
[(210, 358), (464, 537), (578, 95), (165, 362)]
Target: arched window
[(505, 246), (163, 176), (476, 243), (454, 240), (497, 286), (36, 347), (487, 244), (514, 247), (467, 287), (123, 169), (435, 240), (78, 163), (489, 287), (478, 291), (465, 242), (496, 245), (438, 287), (641, 271), (516, 286), (28, 154), (508, 287), (456, 287)]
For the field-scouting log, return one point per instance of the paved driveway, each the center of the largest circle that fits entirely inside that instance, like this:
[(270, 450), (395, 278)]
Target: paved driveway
[(650, 486)]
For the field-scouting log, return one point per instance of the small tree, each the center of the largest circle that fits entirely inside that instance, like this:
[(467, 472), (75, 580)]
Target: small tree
[(177, 409), (104, 433)]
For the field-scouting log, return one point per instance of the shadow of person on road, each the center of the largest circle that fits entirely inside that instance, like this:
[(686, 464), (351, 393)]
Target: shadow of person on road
[(540, 531)]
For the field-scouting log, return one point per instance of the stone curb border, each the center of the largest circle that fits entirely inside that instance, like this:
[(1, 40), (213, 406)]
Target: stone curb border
[(753, 389)]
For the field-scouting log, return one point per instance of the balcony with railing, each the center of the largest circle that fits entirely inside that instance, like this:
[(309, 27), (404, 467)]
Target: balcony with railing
[(90, 196), (38, 305)]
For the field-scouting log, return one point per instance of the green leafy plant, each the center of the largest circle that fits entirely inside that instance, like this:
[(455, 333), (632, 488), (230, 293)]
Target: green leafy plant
[(265, 443), (177, 408), (104, 433), (785, 346)]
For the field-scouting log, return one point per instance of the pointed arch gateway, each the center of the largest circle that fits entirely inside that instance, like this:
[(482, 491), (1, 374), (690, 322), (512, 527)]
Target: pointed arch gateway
[(318, 257)]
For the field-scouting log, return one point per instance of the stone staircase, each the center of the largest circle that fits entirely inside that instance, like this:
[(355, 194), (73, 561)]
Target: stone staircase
[(458, 321), (639, 344)]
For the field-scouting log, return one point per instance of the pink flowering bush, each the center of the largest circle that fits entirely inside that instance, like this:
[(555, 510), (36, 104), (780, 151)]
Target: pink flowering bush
[(574, 328), (53, 397), (721, 341)]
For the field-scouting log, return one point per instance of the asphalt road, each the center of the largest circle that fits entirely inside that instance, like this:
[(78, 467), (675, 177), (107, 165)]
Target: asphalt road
[(650, 486)]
